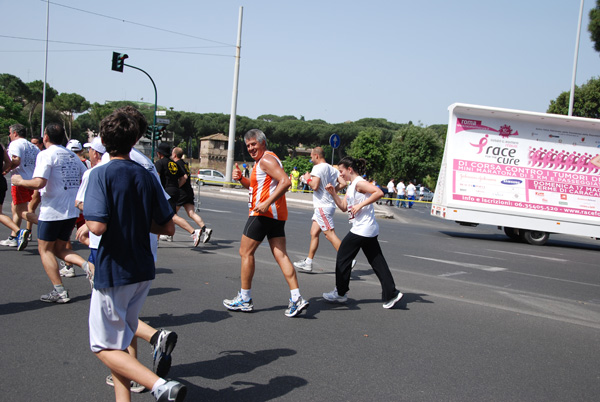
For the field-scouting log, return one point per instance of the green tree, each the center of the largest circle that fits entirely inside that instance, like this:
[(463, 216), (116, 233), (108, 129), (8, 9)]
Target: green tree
[(586, 102), (34, 99), (10, 113), (15, 88), (594, 26), (368, 145), (68, 105), (415, 153)]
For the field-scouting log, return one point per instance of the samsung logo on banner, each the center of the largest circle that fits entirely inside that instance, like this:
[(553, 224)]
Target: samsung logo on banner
[(511, 182)]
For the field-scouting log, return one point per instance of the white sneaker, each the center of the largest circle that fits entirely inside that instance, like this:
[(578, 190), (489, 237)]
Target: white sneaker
[(390, 303), (335, 297), (196, 237), (206, 235), (66, 270), (353, 263), (303, 266), (9, 242), (165, 238)]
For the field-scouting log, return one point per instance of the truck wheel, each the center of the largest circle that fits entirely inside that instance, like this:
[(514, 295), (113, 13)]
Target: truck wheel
[(534, 237), (512, 233)]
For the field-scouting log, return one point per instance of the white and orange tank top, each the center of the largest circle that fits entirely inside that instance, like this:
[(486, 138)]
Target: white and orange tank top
[(261, 187)]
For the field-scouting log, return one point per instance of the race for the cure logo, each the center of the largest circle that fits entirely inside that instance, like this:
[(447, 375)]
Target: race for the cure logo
[(482, 143)]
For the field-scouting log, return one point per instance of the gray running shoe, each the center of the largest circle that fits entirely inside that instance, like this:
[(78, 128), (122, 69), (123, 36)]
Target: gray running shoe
[(390, 303), (9, 242), (353, 263), (206, 235), (196, 237), (55, 297), (171, 391), (161, 352), (333, 296), (295, 308), (303, 266), (134, 386), (238, 303)]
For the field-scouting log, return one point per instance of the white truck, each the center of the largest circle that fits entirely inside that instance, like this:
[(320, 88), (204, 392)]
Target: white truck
[(528, 173)]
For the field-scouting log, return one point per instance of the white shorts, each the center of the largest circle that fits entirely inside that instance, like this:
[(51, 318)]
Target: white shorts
[(114, 314), (324, 217)]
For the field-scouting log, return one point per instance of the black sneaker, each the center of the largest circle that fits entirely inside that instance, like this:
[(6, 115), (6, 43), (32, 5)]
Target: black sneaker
[(162, 352), (171, 391)]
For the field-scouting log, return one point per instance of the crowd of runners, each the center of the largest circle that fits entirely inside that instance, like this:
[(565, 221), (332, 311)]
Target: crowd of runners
[(120, 203)]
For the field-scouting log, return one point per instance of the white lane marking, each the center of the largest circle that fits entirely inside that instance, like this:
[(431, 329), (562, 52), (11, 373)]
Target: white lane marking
[(215, 210), (461, 264), (477, 255), (529, 255), (454, 273), (555, 279)]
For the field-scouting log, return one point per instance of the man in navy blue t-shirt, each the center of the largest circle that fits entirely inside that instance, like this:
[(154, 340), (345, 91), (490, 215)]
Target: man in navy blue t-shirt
[(123, 203)]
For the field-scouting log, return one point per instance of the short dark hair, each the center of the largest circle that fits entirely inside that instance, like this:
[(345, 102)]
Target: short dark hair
[(119, 132), (138, 117), (19, 129), (56, 133)]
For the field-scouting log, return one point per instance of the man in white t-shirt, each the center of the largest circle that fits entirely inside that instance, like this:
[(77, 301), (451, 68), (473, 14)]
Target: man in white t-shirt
[(322, 220), (57, 174), (410, 193), (22, 154), (391, 190), (401, 190)]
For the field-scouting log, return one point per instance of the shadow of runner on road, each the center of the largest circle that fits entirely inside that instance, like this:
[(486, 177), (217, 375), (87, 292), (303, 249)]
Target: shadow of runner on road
[(231, 362), (247, 391)]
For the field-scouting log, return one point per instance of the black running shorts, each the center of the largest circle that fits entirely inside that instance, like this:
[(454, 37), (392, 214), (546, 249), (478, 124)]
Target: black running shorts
[(257, 227)]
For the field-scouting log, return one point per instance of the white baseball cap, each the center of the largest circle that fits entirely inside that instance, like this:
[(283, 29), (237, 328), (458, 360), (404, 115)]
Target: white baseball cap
[(96, 145), (74, 145)]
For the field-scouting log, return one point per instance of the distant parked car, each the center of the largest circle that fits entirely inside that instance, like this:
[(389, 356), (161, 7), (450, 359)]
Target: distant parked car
[(210, 176), (427, 194)]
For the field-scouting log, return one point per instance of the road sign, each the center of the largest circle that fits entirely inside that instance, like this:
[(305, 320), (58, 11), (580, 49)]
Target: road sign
[(161, 112), (163, 121), (334, 141)]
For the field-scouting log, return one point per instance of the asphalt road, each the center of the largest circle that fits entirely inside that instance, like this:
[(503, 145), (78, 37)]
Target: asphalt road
[(483, 318)]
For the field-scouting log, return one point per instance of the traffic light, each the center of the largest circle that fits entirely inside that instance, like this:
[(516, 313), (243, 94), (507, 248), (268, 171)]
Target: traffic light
[(160, 130), (118, 61)]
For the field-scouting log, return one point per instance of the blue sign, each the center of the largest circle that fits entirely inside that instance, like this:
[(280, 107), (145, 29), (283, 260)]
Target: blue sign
[(334, 141)]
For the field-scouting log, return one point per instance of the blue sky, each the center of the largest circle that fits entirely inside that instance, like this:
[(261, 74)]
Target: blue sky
[(332, 60)]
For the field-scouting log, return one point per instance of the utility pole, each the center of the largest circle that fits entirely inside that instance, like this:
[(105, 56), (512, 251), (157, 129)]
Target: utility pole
[(232, 116)]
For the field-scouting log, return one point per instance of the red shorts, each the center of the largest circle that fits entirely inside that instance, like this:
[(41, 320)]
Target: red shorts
[(20, 194), (80, 221)]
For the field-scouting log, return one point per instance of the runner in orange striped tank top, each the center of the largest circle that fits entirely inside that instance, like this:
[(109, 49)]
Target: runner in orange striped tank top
[(261, 189), (267, 186)]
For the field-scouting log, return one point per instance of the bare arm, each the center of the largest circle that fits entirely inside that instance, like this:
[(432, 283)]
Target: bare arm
[(595, 161), (367, 188), (341, 203), (312, 181), (12, 163), (165, 229), (341, 183), (36, 183), (97, 228)]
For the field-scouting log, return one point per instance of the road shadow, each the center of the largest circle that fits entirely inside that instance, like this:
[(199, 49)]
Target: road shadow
[(247, 391), (32, 305), (170, 321), (161, 291), (230, 362)]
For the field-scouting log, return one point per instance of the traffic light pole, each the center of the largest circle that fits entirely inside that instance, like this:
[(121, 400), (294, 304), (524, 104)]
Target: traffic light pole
[(155, 109)]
